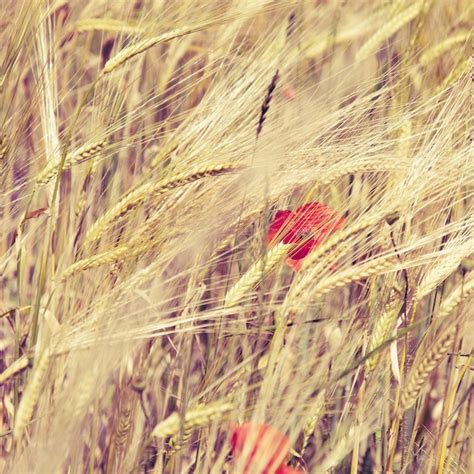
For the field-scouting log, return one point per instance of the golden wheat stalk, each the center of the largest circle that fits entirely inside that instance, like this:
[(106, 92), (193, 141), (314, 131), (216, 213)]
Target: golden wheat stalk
[(108, 24), (124, 426), (439, 273), (104, 258), (143, 45), (455, 74), (255, 273), (81, 155), (194, 418), (390, 28), (30, 396), (419, 373), (310, 424), (344, 234), (462, 292), (14, 368), (333, 247), (381, 331), (3, 148), (138, 196), (343, 278), (437, 50)]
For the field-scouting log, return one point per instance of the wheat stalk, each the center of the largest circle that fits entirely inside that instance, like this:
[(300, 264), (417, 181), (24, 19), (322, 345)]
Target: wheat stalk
[(266, 101), (381, 330), (14, 368), (3, 148), (434, 52), (462, 292), (310, 424), (345, 234), (194, 418), (81, 155), (350, 275), (418, 375), (109, 256), (149, 190), (255, 273), (454, 75), (30, 396), (124, 425), (390, 28), (143, 45), (108, 24)]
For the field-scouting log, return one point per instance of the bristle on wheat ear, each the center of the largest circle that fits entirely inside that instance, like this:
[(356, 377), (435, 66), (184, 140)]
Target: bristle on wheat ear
[(255, 273), (152, 190)]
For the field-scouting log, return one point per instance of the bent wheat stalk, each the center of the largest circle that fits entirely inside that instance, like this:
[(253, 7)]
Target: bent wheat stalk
[(389, 29), (81, 155), (143, 45), (417, 377), (193, 419), (255, 274), (138, 196), (30, 396)]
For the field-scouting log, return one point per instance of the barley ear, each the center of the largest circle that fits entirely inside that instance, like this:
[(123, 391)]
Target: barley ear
[(30, 396), (254, 274)]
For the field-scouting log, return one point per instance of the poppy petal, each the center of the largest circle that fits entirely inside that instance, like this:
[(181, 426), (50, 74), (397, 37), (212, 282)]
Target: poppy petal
[(303, 249), (269, 449), (277, 227), (287, 470), (295, 265)]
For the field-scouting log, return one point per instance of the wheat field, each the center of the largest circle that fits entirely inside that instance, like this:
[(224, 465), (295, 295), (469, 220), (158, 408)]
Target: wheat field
[(236, 236)]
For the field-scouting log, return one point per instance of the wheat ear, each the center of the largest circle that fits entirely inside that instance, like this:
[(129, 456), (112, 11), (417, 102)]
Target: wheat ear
[(136, 197), (107, 24), (79, 156), (124, 426), (390, 28), (30, 396), (381, 330), (3, 148), (14, 368), (344, 234), (462, 292), (310, 424), (143, 45), (417, 377), (194, 418), (98, 260), (255, 273), (454, 75), (266, 102), (432, 53), (350, 275)]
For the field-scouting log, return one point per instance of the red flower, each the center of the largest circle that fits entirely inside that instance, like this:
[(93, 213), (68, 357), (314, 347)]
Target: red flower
[(263, 447), (307, 227)]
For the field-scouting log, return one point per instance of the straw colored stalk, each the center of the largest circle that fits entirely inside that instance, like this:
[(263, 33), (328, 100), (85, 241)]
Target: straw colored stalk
[(389, 29), (30, 396), (381, 331), (149, 190), (420, 372), (14, 368), (255, 273), (83, 154), (462, 292), (144, 45), (439, 49), (194, 418), (350, 275)]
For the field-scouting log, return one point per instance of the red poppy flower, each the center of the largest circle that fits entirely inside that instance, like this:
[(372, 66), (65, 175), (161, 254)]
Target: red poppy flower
[(268, 450), (307, 227)]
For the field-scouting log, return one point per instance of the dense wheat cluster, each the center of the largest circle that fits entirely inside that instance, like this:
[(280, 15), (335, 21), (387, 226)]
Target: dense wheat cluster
[(146, 149)]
